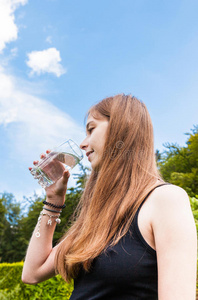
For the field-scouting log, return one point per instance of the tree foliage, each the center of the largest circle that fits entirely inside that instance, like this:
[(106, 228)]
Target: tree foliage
[(179, 165), (10, 212)]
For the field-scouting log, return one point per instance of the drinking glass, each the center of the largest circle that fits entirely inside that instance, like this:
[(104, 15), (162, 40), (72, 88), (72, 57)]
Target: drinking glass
[(51, 168)]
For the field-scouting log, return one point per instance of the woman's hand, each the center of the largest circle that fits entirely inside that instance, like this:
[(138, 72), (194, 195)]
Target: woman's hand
[(56, 192)]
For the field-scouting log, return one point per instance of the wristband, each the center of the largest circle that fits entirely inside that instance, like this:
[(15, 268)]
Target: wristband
[(53, 205), (51, 210)]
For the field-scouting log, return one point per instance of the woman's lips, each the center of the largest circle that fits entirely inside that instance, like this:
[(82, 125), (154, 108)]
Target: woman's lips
[(89, 155)]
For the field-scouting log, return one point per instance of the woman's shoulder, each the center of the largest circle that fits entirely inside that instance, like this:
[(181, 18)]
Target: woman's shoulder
[(164, 199), (169, 201), (169, 194)]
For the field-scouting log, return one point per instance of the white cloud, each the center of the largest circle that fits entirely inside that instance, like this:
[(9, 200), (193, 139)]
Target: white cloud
[(32, 123), (8, 28), (46, 61)]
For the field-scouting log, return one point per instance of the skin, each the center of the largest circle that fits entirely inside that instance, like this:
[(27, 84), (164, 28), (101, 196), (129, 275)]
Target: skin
[(165, 222), (95, 139)]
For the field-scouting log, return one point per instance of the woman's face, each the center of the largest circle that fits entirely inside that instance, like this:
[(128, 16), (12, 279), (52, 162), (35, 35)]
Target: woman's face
[(94, 142)]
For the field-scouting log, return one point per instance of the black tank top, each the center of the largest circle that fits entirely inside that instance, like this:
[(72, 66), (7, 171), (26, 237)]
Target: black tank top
[(125, 271)]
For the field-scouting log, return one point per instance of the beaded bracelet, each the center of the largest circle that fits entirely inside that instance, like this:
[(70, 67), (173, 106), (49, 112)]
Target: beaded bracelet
[(53, 205)]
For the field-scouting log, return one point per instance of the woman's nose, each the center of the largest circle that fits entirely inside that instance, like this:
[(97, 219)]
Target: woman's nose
[(84, 144)]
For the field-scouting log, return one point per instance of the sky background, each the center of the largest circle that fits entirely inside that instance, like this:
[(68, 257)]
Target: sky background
[(59, 57)]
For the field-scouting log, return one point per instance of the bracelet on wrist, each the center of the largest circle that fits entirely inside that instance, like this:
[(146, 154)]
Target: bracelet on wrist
[(49, 222), (52, 210), (53, 205)]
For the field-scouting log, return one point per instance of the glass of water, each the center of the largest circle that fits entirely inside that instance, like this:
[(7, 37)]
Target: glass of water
[(51, 168)]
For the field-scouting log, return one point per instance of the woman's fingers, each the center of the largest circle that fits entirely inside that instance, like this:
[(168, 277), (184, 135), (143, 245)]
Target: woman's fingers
[(66, 175), (43, 155)]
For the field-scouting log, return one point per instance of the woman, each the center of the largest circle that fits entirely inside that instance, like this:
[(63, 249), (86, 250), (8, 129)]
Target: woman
[(134, 235)]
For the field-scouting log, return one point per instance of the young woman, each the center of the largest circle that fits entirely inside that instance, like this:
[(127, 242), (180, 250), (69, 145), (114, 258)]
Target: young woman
[(134, 235)]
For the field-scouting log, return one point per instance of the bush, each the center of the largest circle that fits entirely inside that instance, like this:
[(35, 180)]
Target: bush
[(12, 288), (194, 207)]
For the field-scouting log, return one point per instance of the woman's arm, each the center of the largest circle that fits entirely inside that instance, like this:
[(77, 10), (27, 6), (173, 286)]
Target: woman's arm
[(176, 244), (39, 261)]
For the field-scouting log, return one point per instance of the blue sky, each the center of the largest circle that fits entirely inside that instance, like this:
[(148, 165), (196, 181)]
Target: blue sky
[(58, 57)]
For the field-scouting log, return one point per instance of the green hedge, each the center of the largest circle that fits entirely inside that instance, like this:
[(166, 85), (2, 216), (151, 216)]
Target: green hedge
[(12, 288)]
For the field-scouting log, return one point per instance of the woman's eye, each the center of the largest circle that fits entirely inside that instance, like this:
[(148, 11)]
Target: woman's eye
[(90, 129)]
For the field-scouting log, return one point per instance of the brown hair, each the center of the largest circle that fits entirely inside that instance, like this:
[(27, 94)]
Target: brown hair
[(112, 194)]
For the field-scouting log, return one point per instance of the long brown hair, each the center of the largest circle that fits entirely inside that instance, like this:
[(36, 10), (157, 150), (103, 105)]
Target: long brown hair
[(113, 193)]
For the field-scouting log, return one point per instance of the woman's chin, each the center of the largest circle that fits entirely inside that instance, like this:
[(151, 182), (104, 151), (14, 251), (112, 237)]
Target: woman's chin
[(95, 166)]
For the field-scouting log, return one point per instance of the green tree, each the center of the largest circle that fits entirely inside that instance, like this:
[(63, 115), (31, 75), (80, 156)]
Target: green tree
[(10, 210), (179, 165), (158, 156), (194, 207), (2, 225)]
